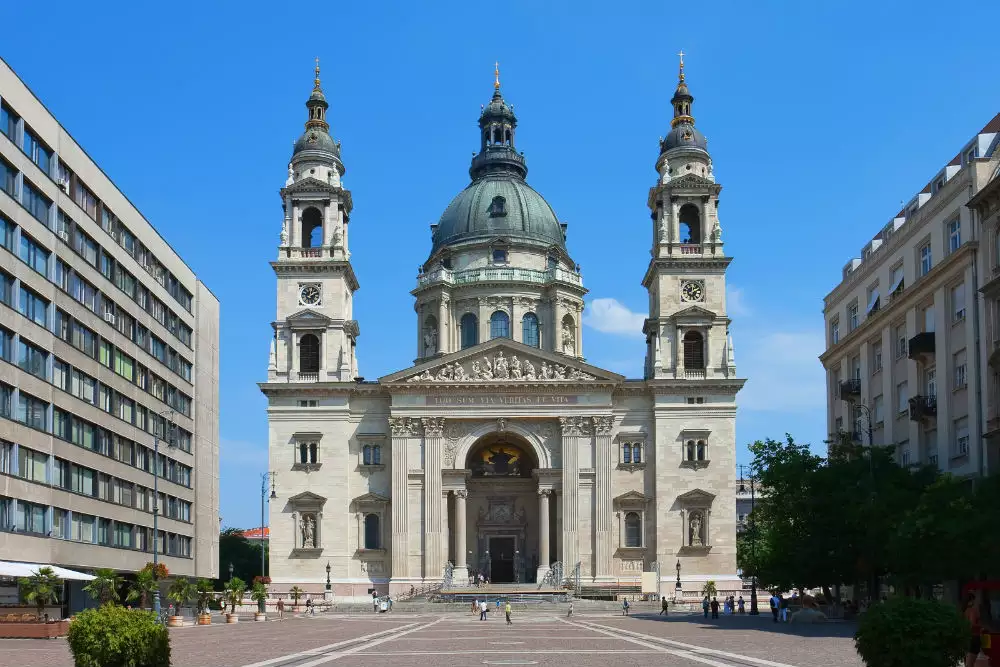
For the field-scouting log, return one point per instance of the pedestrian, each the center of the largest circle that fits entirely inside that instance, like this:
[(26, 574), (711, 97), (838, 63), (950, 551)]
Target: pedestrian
[(775, 606), (725, 606), (374, 602), (570, 611), (704, 606), (975, 619), (483, 608), (388, 599), (281, 609), (663, 607), (475, 605), (741, 605), (715, 607), (784, 609), (506, 611), (498, 605), (625, 607)]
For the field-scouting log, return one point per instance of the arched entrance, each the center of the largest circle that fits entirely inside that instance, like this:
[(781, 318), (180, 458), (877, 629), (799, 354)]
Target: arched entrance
[(502, 508)]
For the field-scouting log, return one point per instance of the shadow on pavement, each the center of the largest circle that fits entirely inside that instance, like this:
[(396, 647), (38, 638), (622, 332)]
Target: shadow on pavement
[(760, 623)]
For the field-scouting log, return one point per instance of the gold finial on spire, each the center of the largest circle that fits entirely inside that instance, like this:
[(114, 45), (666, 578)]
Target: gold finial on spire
[(496, 74), (316, 81), (680, 76)]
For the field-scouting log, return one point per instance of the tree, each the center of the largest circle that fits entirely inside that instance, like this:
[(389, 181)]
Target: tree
[(204, 590), (143, 587), (709, 589), (235, 589), (243, 554), (104, 587), (296, 593), (41, 588), (181, 592)]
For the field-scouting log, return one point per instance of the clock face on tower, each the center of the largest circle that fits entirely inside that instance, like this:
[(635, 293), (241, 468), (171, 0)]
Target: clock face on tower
[(693, 290), (310, 295)]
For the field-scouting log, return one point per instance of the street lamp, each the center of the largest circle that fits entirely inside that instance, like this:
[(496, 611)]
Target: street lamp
[(264, 478), (230, 572), (517, 567), (327, 575), (489, 567), (168, 417), (678, 566), (754, 611)]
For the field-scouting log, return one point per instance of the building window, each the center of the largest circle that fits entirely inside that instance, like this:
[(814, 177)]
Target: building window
[(694, 351), (626, 453), (878, 409), (32, 359), (8, 121), (852, 316), (900, 342), (371, 455), (834, 332), (874, 301), (499, 256), (6, 233), (499, 325), (36, 203), (930, 381), (308, 403), (498, 207), (309, 354), (31, 517), (902, 398), (927, 315), (372, 532), (925, 259), (876, 357), (34, 255), (958, 302), (31, 465), (961, 370), (8, 179), (37, 151), (690, 450), (470, 330), (954, 235), (633, 530), (529, 330), (308, 452), (962, 436), (896, 281), (636, 452)]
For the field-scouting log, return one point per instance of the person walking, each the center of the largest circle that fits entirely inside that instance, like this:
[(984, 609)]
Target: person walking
[(715, 607), (506, 611), (625, 607), (483, 608), (475, 605), (569, 612), (741, 605), (498, 605), (704, 606), (775, 606), (281, 609), (784, 609), (663, 607)]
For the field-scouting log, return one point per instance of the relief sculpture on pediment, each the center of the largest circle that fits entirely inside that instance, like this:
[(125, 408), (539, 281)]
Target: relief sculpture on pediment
[(499, 367)]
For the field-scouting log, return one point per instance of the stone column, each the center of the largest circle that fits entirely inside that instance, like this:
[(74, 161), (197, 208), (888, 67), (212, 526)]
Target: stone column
[(557, 315), (461, 572), (442, 346), (543, 533), (516, 313), (402, 429), (484, 320), (433, 559), (603, 528), (573, 428)]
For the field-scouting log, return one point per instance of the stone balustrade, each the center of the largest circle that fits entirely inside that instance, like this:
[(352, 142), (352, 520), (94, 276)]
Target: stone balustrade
[(498, 273)]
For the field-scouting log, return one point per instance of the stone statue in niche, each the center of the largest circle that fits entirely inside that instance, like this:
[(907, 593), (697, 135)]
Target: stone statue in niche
[(338, 236), (695, 530), (430, 341), (308, 526), (568, 339)]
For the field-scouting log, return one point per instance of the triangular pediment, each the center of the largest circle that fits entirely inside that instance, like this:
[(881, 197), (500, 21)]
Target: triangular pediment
[(501, 360), (696, 498), (631, 498), (307, 317), (692, 182), (310, 184), (307, 499), (694, 313), (371, 499)]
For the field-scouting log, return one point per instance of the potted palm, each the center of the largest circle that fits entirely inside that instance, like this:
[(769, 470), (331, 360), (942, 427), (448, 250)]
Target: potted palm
[(180, 594), (104, 586), (204, 593), (235, 588), (41, 589), (259, 595), (296, 593), (143, 587)]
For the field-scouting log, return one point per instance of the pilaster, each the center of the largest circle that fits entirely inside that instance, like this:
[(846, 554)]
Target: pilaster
[(403, 428), (603, 516), (573, 429), (433, 559)]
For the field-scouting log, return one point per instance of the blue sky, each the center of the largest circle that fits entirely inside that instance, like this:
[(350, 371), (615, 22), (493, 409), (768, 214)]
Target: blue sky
[(821, 119)]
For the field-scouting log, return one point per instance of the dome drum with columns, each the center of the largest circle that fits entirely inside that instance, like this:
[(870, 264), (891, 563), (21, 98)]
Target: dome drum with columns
[(501, 451)]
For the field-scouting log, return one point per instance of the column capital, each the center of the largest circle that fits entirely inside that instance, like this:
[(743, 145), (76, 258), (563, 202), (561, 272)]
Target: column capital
[(404, 426), (461, 493), (433, 426), (545, 492), (575, 425), (603, 424)]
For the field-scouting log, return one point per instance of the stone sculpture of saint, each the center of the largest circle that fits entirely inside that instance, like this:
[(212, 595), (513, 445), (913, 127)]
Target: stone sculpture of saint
[(477, 371), (430, 341), (544, 374), (291, 174), (459, 373), (529, 369), (515, 367), (696, 530), (487, 367), (500, 369), (308, 532), (568, 339)]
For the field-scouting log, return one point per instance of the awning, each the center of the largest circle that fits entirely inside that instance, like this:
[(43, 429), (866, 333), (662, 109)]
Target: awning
[(17, 570)]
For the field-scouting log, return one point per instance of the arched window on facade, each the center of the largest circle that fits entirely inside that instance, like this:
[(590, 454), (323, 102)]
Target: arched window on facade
[(690, 224), (499, 325), (633, 529), (689, 450), (470, 330), (701, 450), (309, 354), (308, 452), (626, 453), (694, 351), (372, 455), (372, 532), (529, 330), (636, 452), (312, 228)]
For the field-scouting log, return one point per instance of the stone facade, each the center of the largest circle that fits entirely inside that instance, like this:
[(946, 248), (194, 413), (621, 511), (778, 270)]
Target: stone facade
[(501, 451)]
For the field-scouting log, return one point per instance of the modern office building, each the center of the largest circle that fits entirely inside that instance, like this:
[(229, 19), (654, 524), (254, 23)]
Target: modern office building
[(108, 341), (906, 343)]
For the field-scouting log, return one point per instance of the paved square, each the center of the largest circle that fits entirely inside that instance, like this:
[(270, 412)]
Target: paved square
[(457, 639)]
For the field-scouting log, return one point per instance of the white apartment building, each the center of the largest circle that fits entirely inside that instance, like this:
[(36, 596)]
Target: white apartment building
[(905, 335), (107, 340)]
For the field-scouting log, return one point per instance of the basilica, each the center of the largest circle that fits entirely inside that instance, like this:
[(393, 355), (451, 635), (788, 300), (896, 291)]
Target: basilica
[(501, 451)]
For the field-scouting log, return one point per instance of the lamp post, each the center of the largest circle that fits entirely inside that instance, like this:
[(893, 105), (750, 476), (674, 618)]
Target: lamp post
[(327, 575), (230, 571), (264, 478), (678, 566), (168, 431), (489, 566), (517, 567), (754, 611)]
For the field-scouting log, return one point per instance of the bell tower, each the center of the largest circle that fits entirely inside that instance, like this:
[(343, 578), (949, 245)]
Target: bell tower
[(315, 333), (687, 331)]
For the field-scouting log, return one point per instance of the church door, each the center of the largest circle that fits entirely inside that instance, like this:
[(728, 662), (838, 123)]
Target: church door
[(502, 560)]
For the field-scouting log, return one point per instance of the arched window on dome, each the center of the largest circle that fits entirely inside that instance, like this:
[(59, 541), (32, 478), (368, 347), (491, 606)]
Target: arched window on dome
[(508, 137), (529, 330), (499, 325), (694, 351), (498, 207), (312, 228), (690, 224), (469, 326), (309, 354)]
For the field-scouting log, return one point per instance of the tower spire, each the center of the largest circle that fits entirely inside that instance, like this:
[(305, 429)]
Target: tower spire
[(496, 75), (680, 75), (316, 81)]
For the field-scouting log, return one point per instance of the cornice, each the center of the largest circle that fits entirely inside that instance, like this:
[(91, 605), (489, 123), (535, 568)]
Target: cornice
[(670, 264), (661, 386), (370, 389), (312, 266)]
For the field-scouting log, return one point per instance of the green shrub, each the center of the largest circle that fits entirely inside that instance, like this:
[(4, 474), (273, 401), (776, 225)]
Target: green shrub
[(113, 636), (905, 632)]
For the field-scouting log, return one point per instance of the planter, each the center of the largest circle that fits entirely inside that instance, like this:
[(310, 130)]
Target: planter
[(175, 621), (232, 618), (204, 619), (34, 630), (260, 616)]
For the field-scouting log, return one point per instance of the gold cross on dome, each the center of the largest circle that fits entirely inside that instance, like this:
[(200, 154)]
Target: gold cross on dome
[(681, 73), (317, 72), (496, 73)]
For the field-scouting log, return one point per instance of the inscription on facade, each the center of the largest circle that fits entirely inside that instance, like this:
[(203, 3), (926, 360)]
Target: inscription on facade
[(503, 399)]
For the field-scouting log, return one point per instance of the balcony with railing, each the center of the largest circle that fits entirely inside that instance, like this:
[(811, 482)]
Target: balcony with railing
[(921, 347), (498, 274), (923, 408), (850, 389), (307, 377)]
